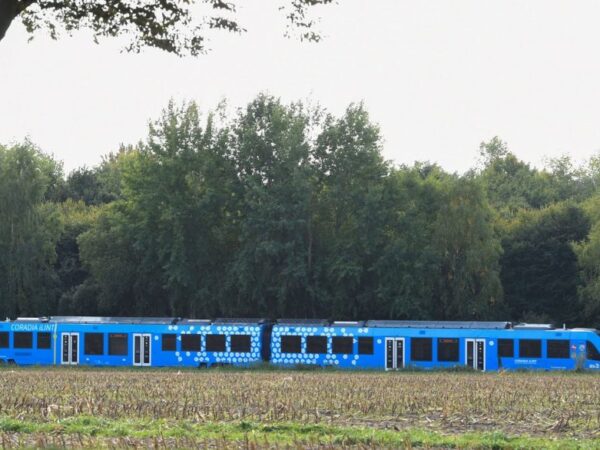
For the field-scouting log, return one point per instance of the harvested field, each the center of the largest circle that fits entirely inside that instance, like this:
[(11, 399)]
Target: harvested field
[(87, 407)]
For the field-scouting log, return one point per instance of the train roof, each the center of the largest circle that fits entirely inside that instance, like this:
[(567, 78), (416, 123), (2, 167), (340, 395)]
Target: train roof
[(348, 323), (438, 324), (139, 320), (194, 322), (115, 320), (239, 321), (533, 326), (309, 322)]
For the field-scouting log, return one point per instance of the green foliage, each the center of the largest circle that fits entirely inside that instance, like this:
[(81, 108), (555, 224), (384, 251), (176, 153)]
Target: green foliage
[(588, 256), (76, 218), (29, 228), (175, 26), (285, 210), (441, 257), (273, 269), (539, 266), (95, 186), (513, 185)]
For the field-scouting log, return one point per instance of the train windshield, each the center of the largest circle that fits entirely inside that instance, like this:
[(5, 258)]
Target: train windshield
[(592, 351)]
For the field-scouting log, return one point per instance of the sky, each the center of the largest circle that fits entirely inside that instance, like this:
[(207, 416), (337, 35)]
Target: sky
[(438, 76)]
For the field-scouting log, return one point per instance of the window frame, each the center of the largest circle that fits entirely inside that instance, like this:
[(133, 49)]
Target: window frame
[(429, 350), (564, 353), (191, 343), (297, 339), (342, 345), (315, 343), (212, 339), (501, 346), (46, 335), (18, 345), (4, 337), (124, 338), (595, 353), (241, 349), (538, 342), (90, 342), (366, 341), (450, 355), (169, 336)]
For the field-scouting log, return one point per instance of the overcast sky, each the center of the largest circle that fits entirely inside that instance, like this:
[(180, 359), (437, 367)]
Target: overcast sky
[(438, 76)]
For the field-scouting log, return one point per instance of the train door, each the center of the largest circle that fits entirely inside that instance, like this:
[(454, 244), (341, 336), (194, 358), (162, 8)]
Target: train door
[(394, 353), (475, 353), (142, 345), (70, 348)]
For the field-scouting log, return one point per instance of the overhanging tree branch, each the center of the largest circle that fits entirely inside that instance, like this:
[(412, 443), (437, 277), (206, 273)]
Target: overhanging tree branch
[(175, 26)]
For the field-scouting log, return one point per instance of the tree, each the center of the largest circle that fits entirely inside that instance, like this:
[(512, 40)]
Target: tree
[(588, 259), (272, 271), (175, 26), (96, 186), (567, 181), (349, 212), (467, 283), (441, 255), (29, 229), (163, 247), (76, 219), (510, 183), (539, 266)]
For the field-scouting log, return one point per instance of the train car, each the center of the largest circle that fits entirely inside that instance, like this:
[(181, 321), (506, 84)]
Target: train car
[(393, 345), (375, 344), (133, 341)]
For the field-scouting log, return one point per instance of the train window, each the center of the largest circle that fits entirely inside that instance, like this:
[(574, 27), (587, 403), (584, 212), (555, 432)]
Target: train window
[(215, 342), (448, 349), (342, 345), (93, 343), (558, 348), (506, 348), (117, 344), (365, 345), (291, 344), (316, 344), (43, 340), (3, 339), (23, 339), (530, 348), (592, 351), (421, 349), (190, 343), (240, 343), (169, 342)]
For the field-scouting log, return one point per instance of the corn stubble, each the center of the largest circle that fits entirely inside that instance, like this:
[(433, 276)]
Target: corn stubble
[(532, 404)]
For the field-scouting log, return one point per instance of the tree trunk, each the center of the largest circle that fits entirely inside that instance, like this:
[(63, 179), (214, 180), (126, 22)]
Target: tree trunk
[(9, 9)]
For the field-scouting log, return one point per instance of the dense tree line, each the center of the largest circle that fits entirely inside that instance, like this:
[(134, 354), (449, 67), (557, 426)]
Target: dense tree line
[(286, 210)]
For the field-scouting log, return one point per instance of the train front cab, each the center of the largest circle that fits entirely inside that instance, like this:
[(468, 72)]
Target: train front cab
[(26, 341), (592, 349), (140, 342), (395, 345), (483, 346), (542, 347)]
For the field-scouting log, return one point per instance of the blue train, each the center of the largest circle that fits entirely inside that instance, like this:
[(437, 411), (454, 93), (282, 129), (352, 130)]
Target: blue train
[(374, 344)]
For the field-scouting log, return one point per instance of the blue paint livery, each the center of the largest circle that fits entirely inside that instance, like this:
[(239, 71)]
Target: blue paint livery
[(374, 345)]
